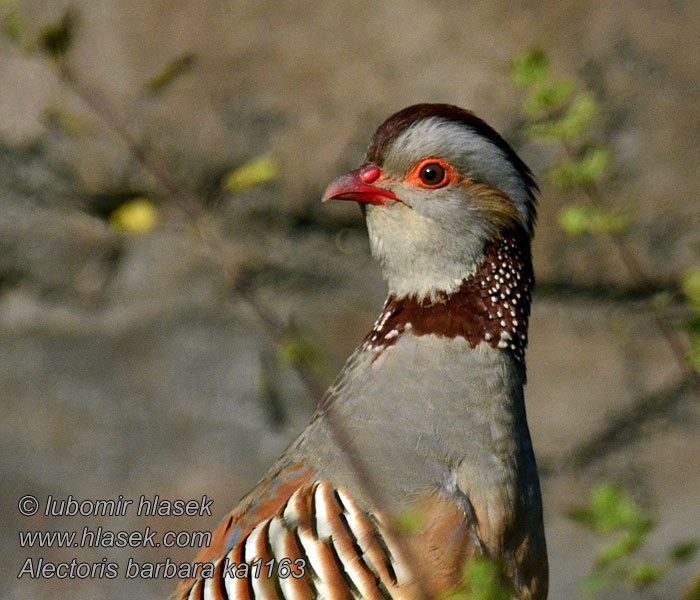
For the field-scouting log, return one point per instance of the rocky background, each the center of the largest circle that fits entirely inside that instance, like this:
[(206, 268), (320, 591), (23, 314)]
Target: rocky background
[(129, 366)]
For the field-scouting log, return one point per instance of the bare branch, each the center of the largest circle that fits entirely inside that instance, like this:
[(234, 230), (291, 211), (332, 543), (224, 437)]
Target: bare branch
[(214, 244)]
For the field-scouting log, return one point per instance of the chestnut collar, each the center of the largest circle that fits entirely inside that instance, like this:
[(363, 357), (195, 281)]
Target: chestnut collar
[(492, 305)]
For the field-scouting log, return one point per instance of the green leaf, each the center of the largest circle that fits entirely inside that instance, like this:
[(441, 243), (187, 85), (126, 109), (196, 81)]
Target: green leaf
[(690, 285), (610, 509), (548, 96), (484, 580), (587, 170), (578, 220), (594, 584), (615, 509), (409, 521), (262, 169), (298, 350), (529, 68), (693, 326), (13, 26), (695, 349), (170, 72), (581, 113), (620, 548), (572, 125), (55, 40), (685, 550), (643, 574)]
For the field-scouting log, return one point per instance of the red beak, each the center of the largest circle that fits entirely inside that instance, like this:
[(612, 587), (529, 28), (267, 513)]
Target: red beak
[(352, 186)]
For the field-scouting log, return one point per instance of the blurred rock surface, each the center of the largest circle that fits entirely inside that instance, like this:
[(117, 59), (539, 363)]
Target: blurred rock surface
[(125, 370)]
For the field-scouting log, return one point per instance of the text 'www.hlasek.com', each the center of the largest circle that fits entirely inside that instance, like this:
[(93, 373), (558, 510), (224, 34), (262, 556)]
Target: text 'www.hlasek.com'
[(99, 537)]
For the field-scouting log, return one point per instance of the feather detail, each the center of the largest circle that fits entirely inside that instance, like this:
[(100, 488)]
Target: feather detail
[(318, 544)]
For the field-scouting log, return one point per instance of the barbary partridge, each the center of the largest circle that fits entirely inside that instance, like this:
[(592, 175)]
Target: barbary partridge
[(431, 401)]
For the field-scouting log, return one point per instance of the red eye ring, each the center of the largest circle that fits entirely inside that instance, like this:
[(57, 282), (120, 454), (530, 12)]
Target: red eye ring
[(432, 173)]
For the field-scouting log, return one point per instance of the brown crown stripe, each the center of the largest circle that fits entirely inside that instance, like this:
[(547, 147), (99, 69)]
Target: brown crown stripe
[(491, 306)]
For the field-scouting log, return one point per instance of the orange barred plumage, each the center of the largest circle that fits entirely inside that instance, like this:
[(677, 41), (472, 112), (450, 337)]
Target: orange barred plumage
[(321, 544)]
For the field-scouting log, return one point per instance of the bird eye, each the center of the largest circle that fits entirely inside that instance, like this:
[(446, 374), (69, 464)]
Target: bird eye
[(432, 175)]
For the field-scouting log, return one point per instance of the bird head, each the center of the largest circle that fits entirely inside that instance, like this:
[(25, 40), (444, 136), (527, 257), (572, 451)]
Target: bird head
[(439, 186)]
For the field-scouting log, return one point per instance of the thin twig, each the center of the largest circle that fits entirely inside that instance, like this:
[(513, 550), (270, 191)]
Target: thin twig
[(624, 427), (186, 201), (214, 244), (357, 463), (642, 280)]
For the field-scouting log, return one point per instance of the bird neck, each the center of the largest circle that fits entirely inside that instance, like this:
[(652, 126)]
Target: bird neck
[(491, 306), (430, 411), (440, 380)]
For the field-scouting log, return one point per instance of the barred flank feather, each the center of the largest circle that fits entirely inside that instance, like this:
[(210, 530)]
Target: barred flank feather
[(331, 549)]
